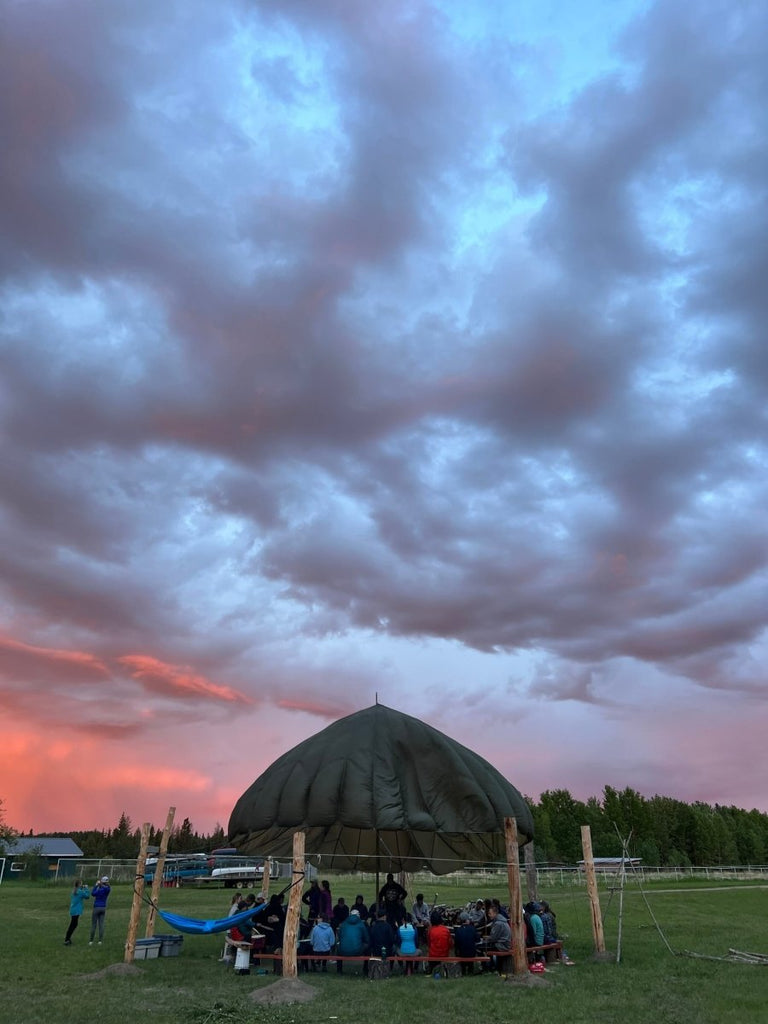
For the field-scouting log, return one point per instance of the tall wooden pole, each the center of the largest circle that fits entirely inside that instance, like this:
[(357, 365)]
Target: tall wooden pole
[(531, 874), (265, 873), (520, 960), (294, 908), (594, 899), (138, 891), (159, 869), (621, 903)]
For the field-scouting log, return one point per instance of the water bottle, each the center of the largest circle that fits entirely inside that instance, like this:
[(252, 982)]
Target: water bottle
[(383, 952)]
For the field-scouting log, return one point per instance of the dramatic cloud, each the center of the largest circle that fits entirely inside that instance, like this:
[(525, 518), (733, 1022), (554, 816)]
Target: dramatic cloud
[(416, 350)]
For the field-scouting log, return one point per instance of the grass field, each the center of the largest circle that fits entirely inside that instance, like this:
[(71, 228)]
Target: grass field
[(43, 981)]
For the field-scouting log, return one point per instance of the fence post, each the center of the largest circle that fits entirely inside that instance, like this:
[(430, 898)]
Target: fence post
[(594, 899)]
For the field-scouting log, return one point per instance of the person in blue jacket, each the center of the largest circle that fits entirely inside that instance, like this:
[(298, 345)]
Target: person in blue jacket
[(100, 893), (353, 938), (80, 892)]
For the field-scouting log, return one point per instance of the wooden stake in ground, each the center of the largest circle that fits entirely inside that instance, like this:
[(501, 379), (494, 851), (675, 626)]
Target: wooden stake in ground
[(594, 899), (138, 892), (531, 874), (265, 873), (294, 908), (159, 869), (519, 958)]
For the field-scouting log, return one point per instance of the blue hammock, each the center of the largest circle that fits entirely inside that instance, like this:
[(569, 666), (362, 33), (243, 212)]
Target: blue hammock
[(192, 926)]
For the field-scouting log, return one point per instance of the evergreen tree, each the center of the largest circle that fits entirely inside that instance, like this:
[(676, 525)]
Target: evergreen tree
[(184, 839), (7, 834), (123, 843)]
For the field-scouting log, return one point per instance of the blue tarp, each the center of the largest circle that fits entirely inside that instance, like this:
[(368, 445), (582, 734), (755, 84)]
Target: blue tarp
[(192, 926)]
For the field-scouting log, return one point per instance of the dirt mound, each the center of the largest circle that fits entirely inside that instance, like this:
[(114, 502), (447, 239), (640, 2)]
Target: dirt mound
[(120, 969), (286, 990)]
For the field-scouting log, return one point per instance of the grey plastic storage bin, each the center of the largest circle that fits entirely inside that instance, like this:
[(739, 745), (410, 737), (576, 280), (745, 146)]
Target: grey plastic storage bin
[(170, 945), (147, 949)]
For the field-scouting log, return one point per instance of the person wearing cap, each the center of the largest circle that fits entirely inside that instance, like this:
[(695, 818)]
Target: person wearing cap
[(100, 894), (477, 916), (353, 939)]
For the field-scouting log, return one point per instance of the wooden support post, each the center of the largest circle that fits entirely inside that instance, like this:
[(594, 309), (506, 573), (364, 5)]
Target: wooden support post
[(531, 874), (265, 877), (517, 925), (138, 891), (594, 899), (157, 881), (294, 909)]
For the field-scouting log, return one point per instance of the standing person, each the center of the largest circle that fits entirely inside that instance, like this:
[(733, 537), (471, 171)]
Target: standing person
[(274, 926), (313, 899), (100, 893), (392, 895), (80, 892), (326, 900)]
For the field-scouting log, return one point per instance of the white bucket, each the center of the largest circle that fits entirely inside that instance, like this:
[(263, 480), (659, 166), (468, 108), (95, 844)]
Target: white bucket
[(243, 960)]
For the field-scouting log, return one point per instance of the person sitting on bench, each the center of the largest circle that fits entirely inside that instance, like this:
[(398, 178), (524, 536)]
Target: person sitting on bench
[(465, 941), (499, 939)]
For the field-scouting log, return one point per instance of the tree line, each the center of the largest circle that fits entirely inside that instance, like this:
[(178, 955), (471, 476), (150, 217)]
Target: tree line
[(122, 842), (660, 830)]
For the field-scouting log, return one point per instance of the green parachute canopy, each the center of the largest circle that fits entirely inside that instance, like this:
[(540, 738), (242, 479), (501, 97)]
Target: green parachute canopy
[(380, 789)]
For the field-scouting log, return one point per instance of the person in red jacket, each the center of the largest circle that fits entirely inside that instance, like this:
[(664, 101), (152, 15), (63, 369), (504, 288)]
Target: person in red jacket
[(438, 940)]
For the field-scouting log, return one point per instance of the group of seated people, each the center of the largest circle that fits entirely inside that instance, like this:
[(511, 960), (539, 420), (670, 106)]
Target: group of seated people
[(385, 930)]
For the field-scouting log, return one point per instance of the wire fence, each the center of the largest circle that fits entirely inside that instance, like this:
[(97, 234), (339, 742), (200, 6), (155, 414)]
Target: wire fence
[(495, 875), (573, 876)]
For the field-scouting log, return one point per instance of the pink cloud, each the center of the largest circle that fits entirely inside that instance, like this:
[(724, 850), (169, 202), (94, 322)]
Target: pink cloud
[(174, 680), (323, 709), (15, 651)]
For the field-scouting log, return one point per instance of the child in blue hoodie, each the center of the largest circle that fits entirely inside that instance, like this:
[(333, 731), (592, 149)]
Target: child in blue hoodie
[(80, 892), (322, 938)]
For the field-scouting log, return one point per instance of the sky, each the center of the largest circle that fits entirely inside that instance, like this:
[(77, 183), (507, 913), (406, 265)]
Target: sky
[(410, 351)]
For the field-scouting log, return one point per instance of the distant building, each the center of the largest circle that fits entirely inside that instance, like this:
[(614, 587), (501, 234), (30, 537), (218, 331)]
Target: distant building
[(31, 857)]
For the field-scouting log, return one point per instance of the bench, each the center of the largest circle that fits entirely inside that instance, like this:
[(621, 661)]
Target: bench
[(552, 951), (307, 958)]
